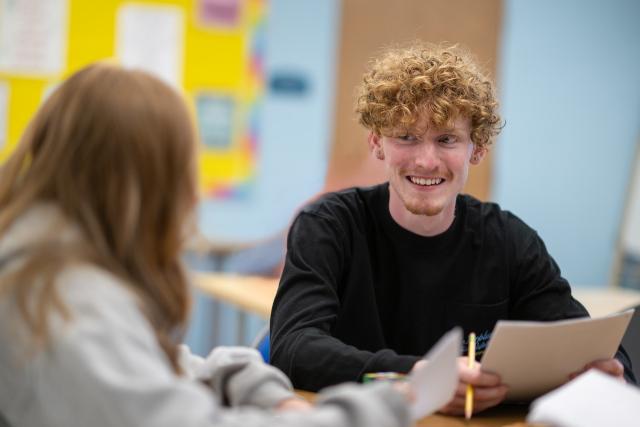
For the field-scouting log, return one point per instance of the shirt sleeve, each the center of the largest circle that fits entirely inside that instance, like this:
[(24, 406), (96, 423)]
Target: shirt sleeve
[(104, 368), (240, 376), (307, 306)]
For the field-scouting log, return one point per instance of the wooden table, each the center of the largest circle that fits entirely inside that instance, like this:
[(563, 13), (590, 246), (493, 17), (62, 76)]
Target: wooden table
[(503, 415), (253, 294)]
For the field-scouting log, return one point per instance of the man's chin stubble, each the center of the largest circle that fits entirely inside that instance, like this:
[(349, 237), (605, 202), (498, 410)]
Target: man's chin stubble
[(422, 210)]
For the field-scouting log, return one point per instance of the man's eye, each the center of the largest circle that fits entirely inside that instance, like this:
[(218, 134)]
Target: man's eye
[(408, 138), (447, 139)]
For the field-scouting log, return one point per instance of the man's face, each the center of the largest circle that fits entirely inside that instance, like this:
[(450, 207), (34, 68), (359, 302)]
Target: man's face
[(427, 168)]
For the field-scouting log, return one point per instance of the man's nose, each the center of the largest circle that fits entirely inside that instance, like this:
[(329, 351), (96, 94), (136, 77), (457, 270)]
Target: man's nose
[(427, 156)]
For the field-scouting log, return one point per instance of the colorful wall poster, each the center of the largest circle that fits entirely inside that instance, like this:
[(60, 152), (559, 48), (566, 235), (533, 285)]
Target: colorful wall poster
[(228, 171), (211, 51)]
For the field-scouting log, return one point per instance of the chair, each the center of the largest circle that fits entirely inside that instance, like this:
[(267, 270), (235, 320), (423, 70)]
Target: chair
[(262, 343), (631, 341)]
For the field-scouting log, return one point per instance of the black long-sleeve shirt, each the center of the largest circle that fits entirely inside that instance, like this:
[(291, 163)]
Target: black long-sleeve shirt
[(360, 294)]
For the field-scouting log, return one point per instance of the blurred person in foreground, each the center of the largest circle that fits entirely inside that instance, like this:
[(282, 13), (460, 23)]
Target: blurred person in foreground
[(94, 206)]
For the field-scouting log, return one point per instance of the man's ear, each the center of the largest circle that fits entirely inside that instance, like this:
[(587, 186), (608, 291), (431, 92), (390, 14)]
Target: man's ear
[(375, 145), (477, 155)]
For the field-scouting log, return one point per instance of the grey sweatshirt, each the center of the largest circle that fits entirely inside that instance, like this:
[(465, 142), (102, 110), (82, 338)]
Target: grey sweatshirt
[(105, 368)]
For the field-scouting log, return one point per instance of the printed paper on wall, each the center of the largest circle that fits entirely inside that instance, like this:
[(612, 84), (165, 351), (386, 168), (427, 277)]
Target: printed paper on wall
[(33, 36), (151, 37)]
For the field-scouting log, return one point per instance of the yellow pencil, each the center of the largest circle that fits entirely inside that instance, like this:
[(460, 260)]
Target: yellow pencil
[(471, 358)]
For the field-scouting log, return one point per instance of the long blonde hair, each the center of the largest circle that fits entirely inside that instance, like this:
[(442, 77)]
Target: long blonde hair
[(114, 149)]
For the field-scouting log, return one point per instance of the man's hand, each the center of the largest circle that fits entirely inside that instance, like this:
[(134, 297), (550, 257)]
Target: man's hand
[(611, 367), (488, 389)]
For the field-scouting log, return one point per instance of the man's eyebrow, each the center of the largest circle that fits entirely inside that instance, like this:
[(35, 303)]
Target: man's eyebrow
[(402, 132), (421, 130), (448, 130), (451, 129)]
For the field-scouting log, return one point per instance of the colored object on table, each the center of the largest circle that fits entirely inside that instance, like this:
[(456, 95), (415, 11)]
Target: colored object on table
[(382, 376)]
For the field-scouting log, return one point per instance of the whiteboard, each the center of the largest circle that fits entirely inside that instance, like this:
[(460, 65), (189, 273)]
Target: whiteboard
[(629, 270)]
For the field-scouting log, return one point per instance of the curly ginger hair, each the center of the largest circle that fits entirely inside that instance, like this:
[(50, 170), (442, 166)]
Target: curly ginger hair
[(442, 81)]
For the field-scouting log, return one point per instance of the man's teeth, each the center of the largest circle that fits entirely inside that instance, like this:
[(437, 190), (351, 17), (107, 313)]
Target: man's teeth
[(425, 181)]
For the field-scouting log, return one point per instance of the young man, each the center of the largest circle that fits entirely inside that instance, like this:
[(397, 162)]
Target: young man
[(375, 276)]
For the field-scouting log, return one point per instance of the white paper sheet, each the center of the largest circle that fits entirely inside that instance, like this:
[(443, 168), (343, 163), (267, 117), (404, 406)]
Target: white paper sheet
[(436, 382), (593, 399), (535, 357), (33, 36), (151, 37)]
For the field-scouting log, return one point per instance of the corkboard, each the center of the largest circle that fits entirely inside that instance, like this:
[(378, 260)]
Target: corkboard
[(368, 26)]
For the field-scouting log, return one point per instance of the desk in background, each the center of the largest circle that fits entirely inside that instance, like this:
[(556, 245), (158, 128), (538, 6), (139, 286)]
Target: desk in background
[(255, 294), (603, 301), (247, 294)]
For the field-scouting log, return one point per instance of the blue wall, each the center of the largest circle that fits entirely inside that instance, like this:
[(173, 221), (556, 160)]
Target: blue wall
[(570, 90)]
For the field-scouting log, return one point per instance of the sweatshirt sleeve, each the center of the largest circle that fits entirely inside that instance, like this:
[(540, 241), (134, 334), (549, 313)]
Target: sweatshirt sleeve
[(239, 375), (307, 306), (104, 368)]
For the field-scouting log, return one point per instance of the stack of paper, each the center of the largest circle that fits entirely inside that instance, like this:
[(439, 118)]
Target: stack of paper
[(533, 358), (593, 399)]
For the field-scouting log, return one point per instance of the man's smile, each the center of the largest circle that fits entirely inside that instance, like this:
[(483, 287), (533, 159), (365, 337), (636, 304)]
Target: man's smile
[(425, 182)]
